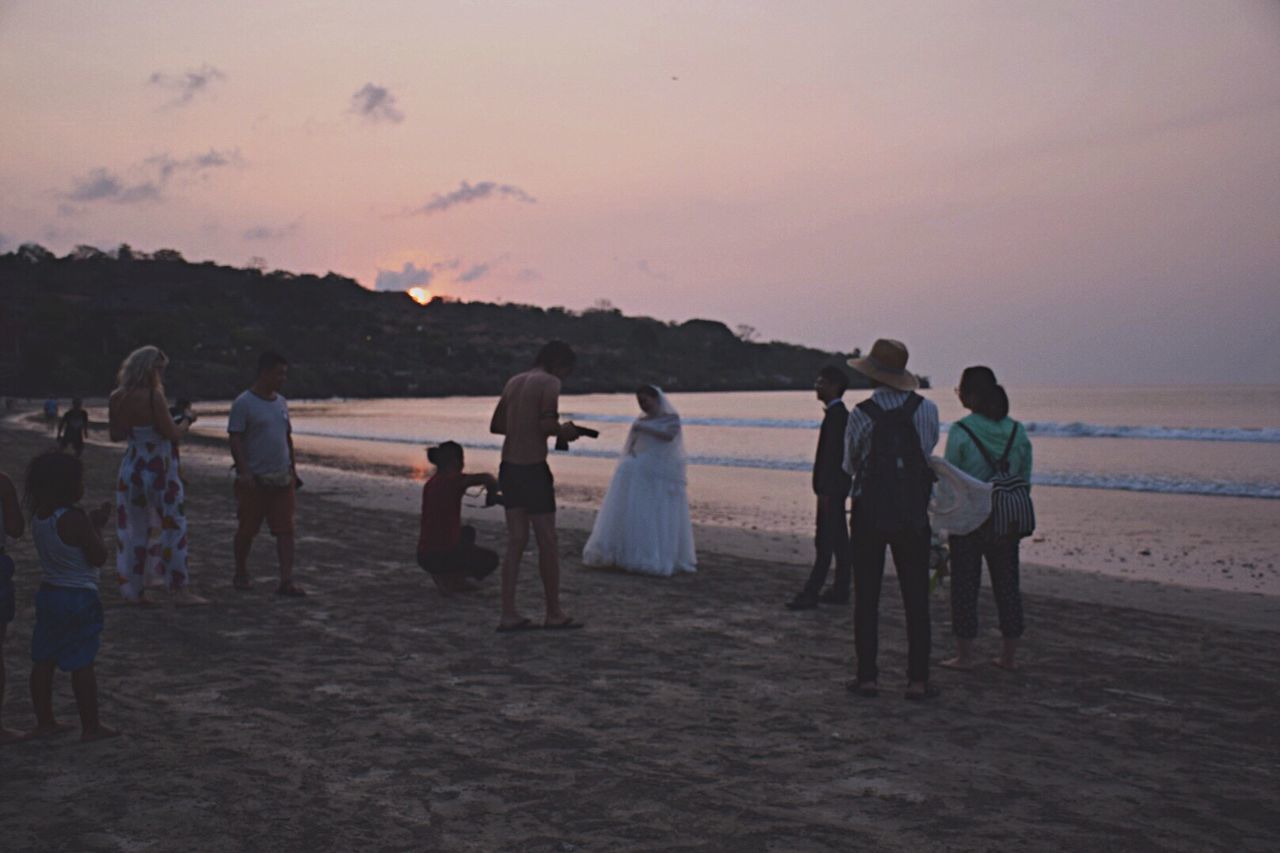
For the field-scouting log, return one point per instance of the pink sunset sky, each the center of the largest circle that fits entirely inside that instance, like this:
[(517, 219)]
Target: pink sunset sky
[(1071, 192)]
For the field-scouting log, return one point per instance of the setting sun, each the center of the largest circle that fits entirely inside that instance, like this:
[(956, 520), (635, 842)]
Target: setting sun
[(420, 295)]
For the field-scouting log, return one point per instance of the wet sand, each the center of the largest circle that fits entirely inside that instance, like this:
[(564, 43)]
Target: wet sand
[(691, 714)]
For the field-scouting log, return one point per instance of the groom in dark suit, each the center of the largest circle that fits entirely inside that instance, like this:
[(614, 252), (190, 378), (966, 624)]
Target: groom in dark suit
[(831, 485)]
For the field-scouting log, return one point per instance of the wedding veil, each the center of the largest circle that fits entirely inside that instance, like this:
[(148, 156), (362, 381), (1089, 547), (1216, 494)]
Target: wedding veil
[(667, 458)]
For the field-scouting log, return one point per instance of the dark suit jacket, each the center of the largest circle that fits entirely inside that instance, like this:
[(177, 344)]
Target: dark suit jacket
[(829, 477)]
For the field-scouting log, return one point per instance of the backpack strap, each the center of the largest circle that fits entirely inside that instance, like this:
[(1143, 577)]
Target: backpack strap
[(871, 409), (1004, 458), (875, 411), (982, 448)]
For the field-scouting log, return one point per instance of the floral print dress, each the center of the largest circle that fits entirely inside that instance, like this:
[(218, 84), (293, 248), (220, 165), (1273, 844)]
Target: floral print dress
[(149, 496)]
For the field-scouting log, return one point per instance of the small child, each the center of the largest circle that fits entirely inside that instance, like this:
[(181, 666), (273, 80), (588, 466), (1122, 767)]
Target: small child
[(68, 612), (446, 549), (10, 527), (181, 413)]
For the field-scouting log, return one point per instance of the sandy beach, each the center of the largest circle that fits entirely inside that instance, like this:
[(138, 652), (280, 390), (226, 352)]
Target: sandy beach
[(692, 714)]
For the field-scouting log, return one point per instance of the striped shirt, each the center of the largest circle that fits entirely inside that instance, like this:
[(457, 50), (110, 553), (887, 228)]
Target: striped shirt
[(857, 435)]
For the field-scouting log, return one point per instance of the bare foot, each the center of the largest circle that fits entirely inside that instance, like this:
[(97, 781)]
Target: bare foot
[(515, 623), (143, 601), (186, 598), (8, 736), (1006, 665), (52, 730), (100, 733), (962, 664)]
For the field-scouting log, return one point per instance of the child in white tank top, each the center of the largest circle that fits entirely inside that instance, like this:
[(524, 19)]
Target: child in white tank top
[(68, 625)]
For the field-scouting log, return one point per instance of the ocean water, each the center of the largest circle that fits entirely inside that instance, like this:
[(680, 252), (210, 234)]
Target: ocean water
[(1213, 440)]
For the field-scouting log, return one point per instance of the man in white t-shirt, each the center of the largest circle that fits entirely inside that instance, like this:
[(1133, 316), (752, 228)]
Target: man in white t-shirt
[(266, 481)]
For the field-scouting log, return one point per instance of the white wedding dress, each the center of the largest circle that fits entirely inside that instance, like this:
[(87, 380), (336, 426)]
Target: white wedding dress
[(644, 524)]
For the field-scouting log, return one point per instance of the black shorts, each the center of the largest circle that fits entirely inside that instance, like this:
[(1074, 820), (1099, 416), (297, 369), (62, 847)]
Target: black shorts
[(528, 487)]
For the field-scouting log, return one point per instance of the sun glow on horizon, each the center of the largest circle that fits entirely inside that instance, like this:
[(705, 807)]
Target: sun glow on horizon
[(420, 295)]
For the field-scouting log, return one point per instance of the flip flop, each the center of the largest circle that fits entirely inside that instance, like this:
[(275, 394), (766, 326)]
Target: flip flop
[(955, 666), (522, 625), (569, 624)]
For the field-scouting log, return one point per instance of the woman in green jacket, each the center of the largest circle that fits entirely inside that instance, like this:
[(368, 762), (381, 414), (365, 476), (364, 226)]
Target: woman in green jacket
[(989, 423)]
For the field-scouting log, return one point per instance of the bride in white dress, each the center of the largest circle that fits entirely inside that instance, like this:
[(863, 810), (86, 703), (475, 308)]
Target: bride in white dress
[(643, 524)]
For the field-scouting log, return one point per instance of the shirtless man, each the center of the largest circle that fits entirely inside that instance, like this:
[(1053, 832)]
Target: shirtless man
[(527, 415)]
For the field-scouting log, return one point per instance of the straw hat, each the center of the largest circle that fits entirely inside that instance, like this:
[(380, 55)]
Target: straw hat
[(887, 363)]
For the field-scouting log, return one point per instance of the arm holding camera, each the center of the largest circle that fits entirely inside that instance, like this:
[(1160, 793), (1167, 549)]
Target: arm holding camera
[(487, 480)]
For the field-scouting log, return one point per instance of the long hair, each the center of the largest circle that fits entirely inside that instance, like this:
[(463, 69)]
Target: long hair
[(138, 369), (981, 392), (53, 482)]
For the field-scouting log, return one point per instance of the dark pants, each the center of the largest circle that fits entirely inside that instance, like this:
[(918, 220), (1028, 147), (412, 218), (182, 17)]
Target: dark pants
[(1001, 553), (911, 559), (830, 540), (467, 559)]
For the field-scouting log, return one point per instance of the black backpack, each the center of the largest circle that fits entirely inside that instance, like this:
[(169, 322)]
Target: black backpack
[(896, 479), (1011, 511)]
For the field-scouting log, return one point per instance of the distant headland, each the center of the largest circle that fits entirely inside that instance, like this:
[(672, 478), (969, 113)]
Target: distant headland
[(67, 322)]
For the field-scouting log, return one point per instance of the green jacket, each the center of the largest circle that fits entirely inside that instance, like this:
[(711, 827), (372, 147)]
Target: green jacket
[(994, 435)]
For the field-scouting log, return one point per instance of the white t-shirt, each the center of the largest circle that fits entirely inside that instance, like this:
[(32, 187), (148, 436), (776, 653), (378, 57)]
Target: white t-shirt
[(264, 429)]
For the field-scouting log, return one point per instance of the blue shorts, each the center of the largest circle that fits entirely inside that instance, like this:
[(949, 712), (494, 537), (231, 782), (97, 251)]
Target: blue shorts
[(68, 627), (7, 595)]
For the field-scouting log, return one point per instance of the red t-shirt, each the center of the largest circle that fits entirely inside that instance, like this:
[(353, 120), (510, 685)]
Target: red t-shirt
[(441, 513)]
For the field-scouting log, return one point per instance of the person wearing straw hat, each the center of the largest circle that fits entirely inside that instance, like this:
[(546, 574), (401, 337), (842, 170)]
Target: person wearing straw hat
[(888, 441)]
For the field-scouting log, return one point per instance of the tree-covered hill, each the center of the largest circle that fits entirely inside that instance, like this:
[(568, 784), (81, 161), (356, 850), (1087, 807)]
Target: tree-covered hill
[(65, 324)]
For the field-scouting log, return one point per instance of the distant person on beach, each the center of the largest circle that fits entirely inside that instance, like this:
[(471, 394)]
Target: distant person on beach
[(74, 427), (182, 414), (888, 441), (149, 492), (266, 476), (983, 444), (527, 414), (447, 548), (831, 485), (11, 527), (68, 626), (643, 524), (51, 409)]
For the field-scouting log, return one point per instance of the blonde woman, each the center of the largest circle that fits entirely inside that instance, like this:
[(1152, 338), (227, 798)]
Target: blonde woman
[(149, 493)]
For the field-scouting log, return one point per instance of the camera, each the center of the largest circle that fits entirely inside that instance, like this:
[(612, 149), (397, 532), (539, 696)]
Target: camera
[(562, 444)]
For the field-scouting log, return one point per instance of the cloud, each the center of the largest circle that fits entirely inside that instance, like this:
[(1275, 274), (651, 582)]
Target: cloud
[(467, 193), (408, 276), (149, 181), (643, 266), (376, 104), (477, 271), (529, 274), (4, 241), (211, 159), (267, 232), (102, 185), (187, 84)]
